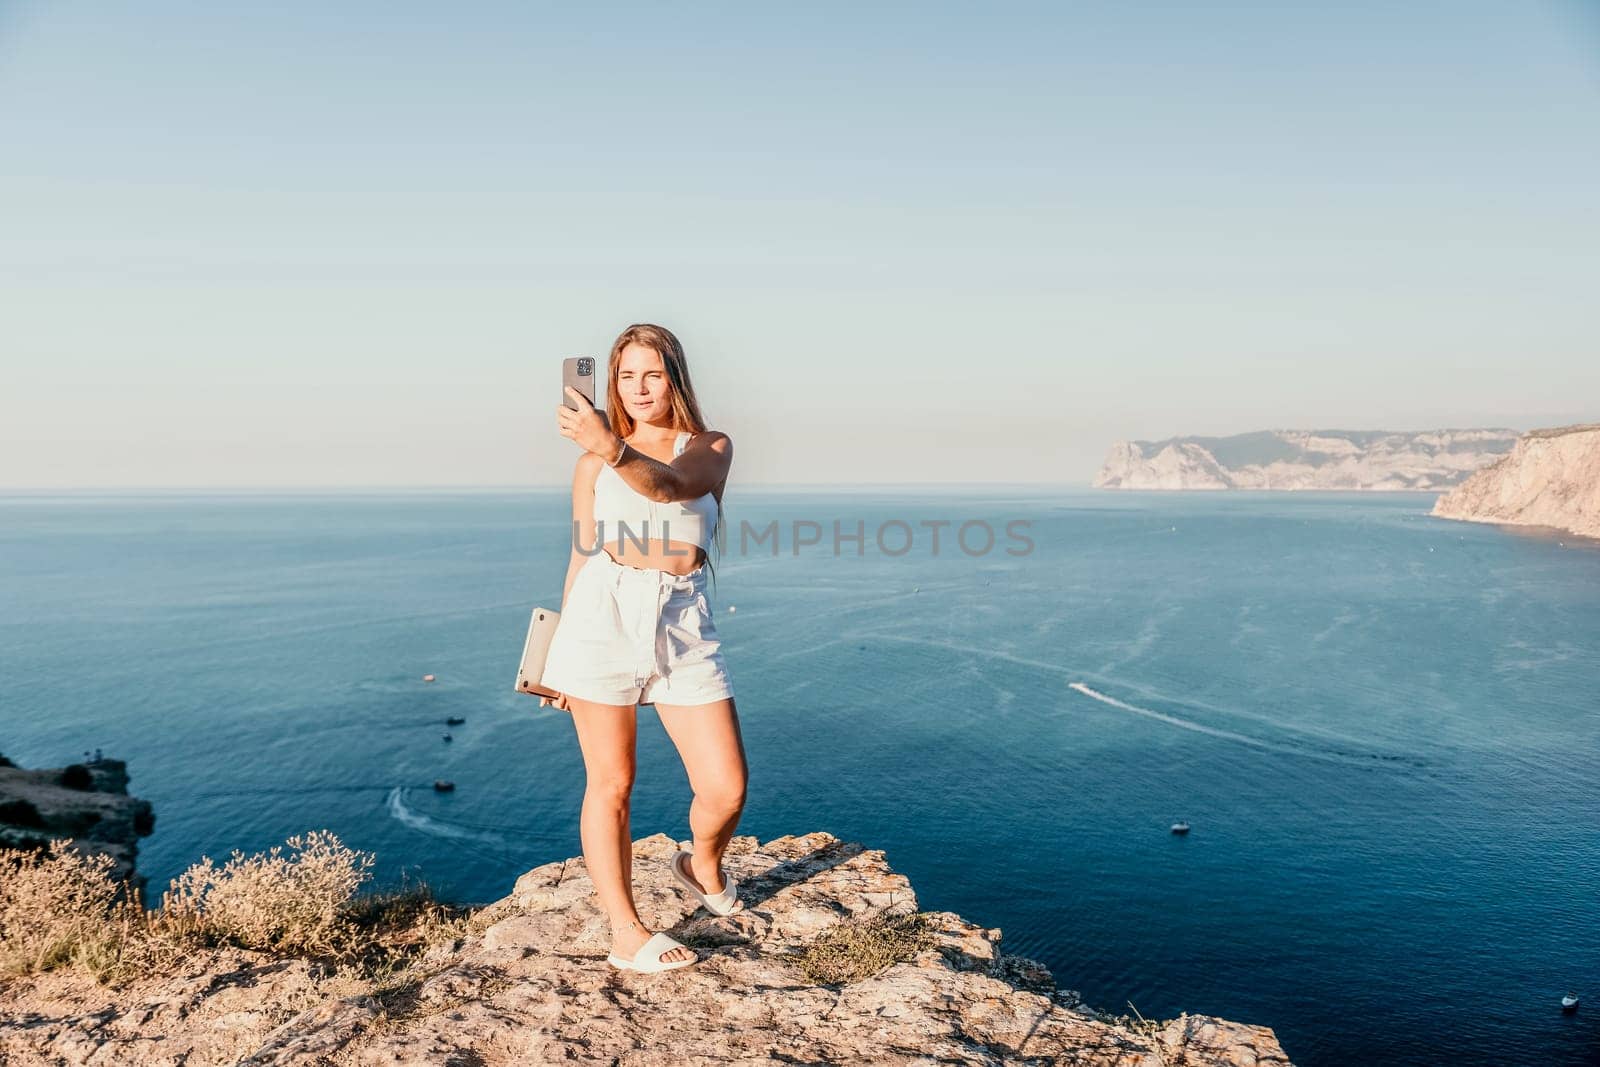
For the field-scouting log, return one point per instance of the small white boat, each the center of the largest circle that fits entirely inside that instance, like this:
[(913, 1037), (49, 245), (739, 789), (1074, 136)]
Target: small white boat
[(427, 677), (1569, 1002), (1180, 827)]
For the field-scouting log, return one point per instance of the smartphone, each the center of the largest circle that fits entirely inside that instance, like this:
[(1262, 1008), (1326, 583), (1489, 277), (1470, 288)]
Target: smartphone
[(577, 372)]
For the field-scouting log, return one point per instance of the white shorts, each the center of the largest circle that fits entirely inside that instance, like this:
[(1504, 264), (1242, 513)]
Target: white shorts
[(637, 635)]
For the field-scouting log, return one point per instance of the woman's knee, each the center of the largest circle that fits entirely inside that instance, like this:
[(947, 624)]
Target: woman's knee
[(613, 786), (723, 799)]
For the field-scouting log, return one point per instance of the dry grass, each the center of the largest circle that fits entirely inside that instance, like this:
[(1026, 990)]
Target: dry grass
[(853, 951), (1149, 1029), (61, 909), (57, 907)]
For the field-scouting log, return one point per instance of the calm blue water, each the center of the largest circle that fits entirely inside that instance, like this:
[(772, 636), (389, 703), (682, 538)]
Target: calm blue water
[(1382, 726)]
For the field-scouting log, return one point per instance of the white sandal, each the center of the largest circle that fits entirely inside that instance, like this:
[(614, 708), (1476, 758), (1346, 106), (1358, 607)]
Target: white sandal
[(723, 903), (648, 958)]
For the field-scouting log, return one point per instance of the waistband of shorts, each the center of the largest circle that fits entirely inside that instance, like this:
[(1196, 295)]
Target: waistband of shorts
[(695, 579)]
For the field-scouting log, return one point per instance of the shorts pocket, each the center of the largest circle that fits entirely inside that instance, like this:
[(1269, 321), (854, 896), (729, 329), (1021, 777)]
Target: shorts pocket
[(592, 619)]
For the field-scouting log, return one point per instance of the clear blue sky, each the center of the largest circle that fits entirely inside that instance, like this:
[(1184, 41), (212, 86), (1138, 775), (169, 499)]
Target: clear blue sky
[(349, 244)]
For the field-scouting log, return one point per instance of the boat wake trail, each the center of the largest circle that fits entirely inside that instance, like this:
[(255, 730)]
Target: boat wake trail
[(436, 828), (1318, 744), (1287, 747), (1095, 694)]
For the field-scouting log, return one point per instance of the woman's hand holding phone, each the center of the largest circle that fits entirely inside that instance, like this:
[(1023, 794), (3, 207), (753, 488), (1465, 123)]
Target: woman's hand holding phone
[(561, 703), (587, 426)]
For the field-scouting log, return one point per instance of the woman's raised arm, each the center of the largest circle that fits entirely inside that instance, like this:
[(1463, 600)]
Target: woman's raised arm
[(702, 467)]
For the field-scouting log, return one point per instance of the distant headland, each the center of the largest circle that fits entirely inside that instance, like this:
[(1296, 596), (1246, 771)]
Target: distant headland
[(1370, 460), (1551, 478), (86, 802)]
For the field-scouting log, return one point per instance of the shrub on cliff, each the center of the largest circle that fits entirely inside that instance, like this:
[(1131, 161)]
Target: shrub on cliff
[(295, 903), (57, 906), (77, 776), (21, 813), (859, 949)]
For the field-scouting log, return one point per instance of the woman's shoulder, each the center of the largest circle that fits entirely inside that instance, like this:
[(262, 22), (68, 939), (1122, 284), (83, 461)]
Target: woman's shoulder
[(712, 438), (587, 470)]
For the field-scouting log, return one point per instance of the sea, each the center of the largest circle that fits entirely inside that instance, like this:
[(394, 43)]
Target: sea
[(1382, 728)]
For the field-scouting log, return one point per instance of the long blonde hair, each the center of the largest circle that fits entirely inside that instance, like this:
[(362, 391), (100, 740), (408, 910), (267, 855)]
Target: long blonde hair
[(685, 406)]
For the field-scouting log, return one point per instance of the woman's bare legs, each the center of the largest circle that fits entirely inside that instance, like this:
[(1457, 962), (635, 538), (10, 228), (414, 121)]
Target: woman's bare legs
[(708, 740), (607, 734)]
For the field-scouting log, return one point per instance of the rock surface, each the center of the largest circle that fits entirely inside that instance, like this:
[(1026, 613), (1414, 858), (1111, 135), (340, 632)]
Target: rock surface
[(1305, 459), (1551, 478), (534, 987), (87, 802)]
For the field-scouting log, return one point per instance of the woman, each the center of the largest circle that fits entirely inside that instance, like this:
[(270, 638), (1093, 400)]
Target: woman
[(636, 628)]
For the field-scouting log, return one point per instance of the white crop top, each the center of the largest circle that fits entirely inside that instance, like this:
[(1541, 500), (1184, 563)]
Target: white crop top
[(618, 505)]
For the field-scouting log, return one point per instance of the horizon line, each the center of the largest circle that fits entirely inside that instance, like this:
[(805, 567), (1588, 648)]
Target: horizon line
[(564, 487)]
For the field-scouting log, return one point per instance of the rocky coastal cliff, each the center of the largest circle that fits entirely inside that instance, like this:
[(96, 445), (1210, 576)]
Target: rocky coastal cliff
[(528, 983), (1551, 478), (87, 802), (1305, 459)]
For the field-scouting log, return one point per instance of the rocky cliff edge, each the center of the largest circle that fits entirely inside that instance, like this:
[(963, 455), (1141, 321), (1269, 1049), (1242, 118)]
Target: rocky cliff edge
[(530, 985)]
